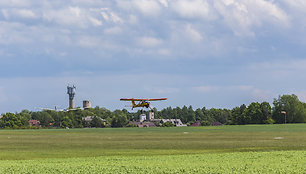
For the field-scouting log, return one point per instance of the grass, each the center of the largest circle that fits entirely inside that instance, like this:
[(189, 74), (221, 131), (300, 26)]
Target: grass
[(194, 149), (62, 143)]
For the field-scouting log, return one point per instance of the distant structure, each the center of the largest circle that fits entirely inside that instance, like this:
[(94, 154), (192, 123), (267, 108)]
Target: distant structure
[(175, 122), (34, 122), (142, 117), (148, 120), (86, 104), (150, 116), (71, 93)]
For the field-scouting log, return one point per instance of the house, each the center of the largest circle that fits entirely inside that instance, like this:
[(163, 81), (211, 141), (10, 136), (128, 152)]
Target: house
[(216, 124), (89, 119), (142, 124), (176, 122), (196, 124), (34, 122)]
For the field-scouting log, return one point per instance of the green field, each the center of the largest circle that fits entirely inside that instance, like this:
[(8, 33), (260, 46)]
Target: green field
[(223, 149)]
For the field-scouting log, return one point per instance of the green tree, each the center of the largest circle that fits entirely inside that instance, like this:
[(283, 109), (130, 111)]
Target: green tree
[(190, 114), (199, 115), (10, 120), (254, 114), (96, 122), (66, 122), (266, 112), (239, 116), (24, 117), (119, 120), (295, 110), (167, 124), (220, 115)]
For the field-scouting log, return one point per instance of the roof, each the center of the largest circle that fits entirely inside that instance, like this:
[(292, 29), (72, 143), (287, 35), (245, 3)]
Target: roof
[(216, 124), (34, 122), (89, 118), (196, 124), (148, 124)]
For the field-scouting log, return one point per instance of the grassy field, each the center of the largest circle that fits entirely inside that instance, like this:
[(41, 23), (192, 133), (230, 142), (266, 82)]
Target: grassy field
[(249, 149)]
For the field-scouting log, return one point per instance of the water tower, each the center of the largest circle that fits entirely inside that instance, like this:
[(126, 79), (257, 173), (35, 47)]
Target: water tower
[(71, 93), (86, 104)]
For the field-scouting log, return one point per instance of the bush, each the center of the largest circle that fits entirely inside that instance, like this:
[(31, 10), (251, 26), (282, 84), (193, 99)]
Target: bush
[(269, 121), (131, 125), (167, 124), (205, 123)]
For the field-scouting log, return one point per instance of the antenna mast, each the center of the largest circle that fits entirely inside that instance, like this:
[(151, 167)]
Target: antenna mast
[(71, 93)]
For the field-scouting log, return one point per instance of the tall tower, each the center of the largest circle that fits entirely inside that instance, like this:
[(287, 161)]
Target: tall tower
[(71, 93)]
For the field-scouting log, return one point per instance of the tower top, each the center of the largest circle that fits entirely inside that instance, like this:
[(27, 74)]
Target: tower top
[(71, 90)]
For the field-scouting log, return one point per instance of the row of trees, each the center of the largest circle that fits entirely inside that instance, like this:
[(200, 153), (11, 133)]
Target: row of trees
[(255, 113)]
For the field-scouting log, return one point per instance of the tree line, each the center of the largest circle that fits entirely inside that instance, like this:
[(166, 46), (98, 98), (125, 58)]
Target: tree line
[(286, 108)]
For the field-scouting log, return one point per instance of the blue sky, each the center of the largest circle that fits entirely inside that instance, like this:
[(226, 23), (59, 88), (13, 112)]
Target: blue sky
[(208, 53)]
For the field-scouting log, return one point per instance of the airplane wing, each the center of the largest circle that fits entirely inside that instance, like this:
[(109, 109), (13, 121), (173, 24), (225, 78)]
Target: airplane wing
[(144, 99), (132, 99), (156, 99)]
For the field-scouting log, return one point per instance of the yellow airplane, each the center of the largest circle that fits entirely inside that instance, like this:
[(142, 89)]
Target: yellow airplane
[(141, 102)]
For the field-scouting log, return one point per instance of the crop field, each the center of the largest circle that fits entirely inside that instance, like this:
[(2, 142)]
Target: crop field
[(223, 149)]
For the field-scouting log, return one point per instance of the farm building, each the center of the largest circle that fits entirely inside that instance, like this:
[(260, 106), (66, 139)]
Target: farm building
[(196, 124), (89, 119), (142, 124), (34, 122), (176, 122)]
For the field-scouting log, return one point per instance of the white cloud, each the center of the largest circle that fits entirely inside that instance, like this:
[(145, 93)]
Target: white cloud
[(95, 21), (149, 41), (164, 2), (115, 18), (18, 13), (110, 16), (146, 7), (81, 17), (16, 3), (75, 10), (14, 33), (242, 16), (164, 51), (262, 95), (68, 16), (206, 89), (89, 41), (193, 34), (133, 19), (105, 16), (193, 9), (280, 65), (113, 30), (296, 5), (162, 90)]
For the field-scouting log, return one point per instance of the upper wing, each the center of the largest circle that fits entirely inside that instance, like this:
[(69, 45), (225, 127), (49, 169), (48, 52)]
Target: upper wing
[(132, 99), (156, 99), (135, 99)]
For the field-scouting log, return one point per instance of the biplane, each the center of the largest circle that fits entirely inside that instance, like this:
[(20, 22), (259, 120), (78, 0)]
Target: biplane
[(141, 102)]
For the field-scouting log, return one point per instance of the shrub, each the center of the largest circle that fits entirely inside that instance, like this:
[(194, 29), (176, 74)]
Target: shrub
[(167, 124)]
